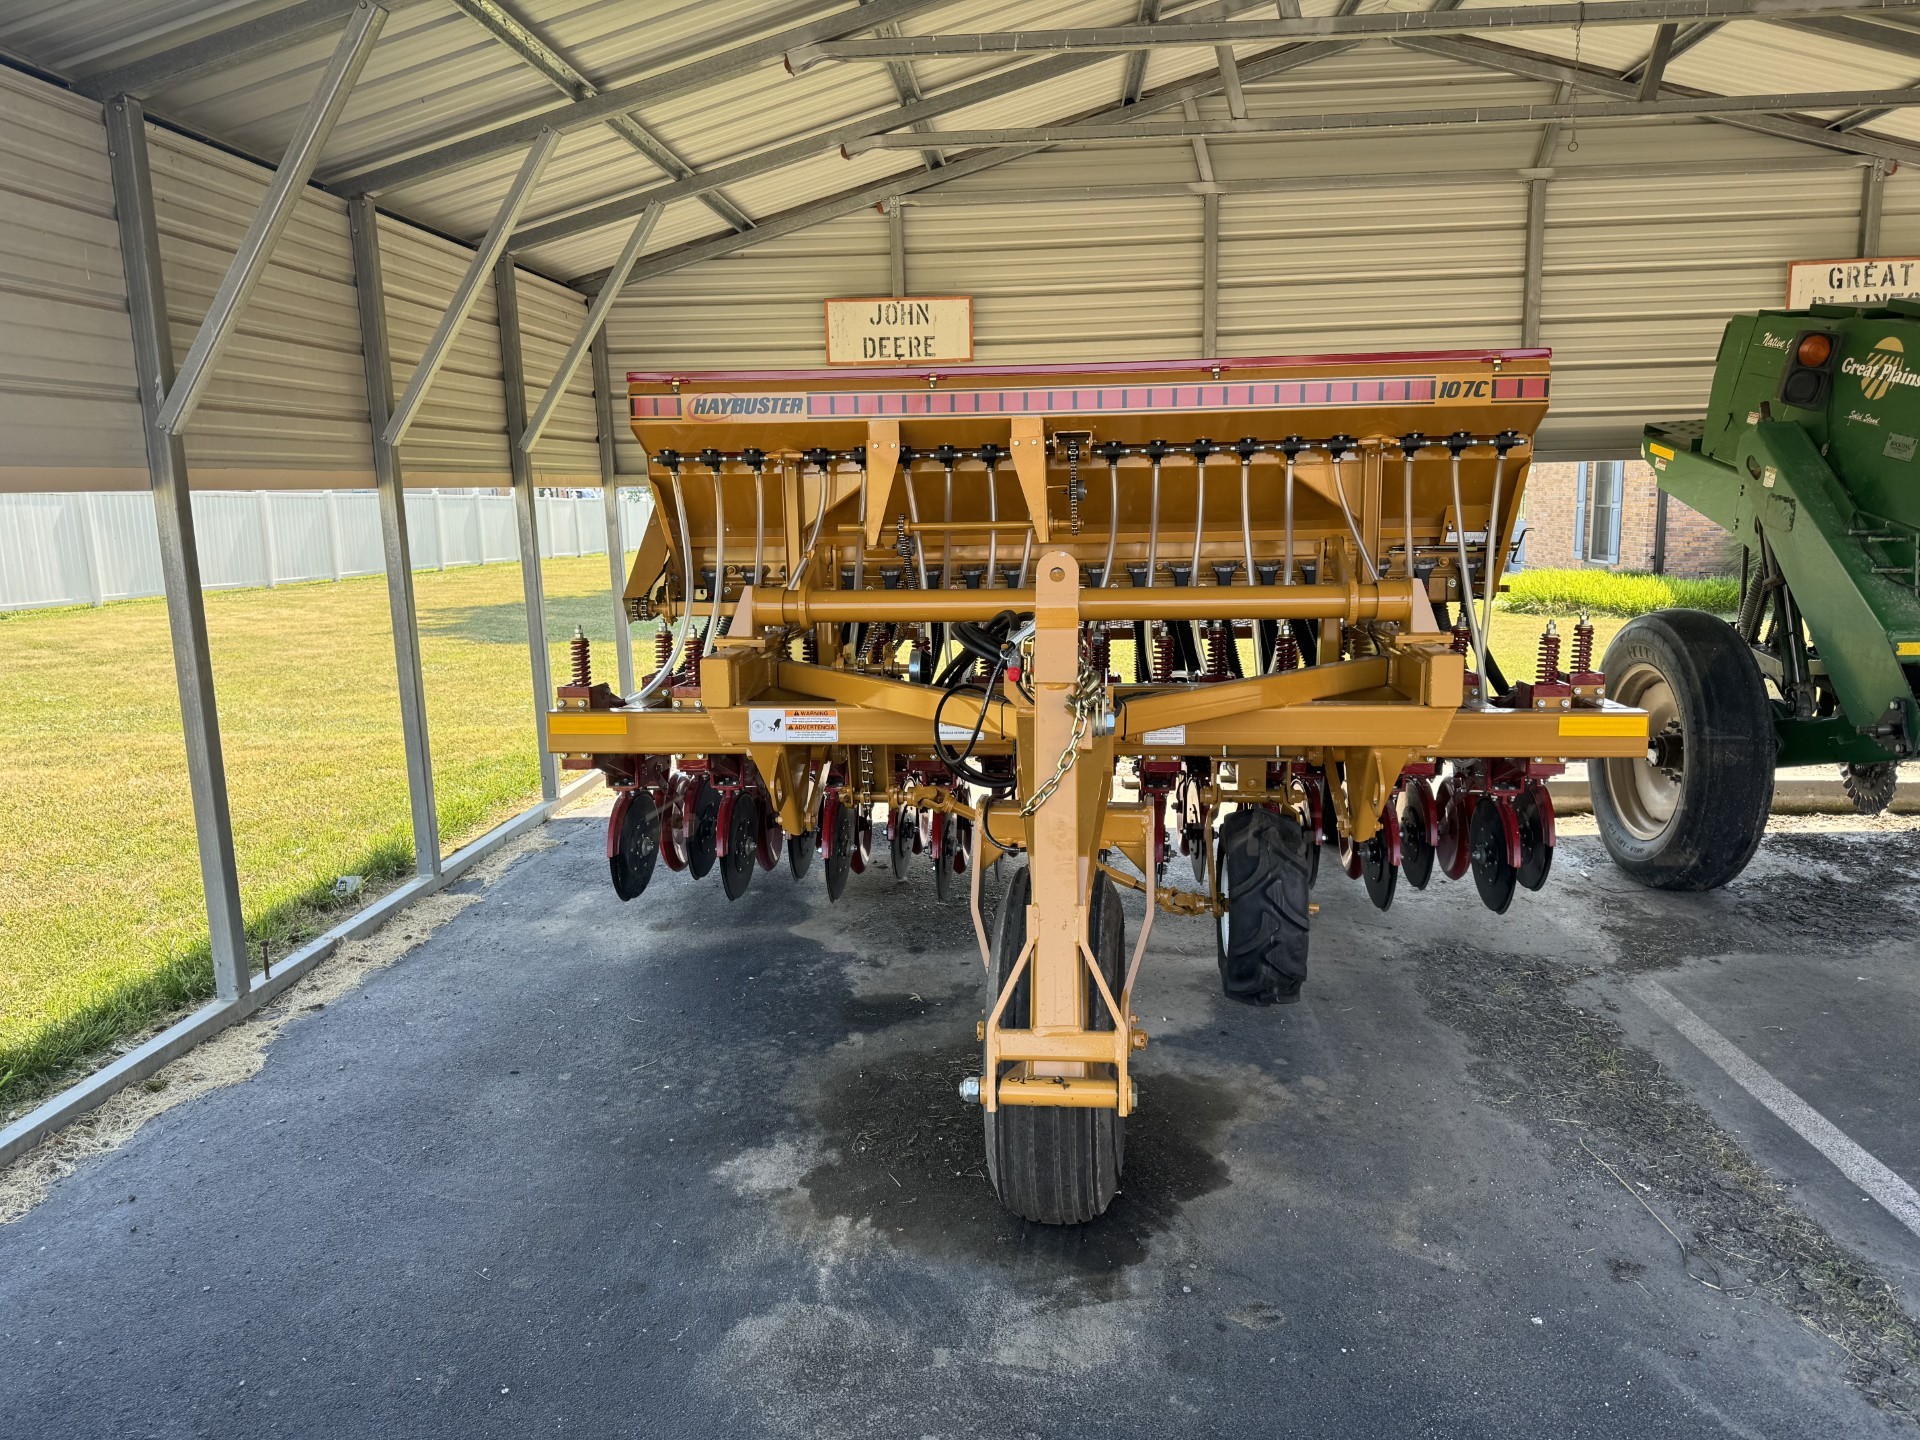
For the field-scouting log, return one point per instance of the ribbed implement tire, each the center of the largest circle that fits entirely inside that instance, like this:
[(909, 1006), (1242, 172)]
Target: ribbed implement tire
[(1265, 869), (1053, 1164), (1726, 786)]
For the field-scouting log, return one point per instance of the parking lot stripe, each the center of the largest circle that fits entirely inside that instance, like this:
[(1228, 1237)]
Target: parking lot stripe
[(1894, 1194)]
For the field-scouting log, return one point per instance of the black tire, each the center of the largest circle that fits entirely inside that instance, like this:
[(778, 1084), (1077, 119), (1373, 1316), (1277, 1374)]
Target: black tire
[(1691, 815), (1055, 1164), (1261, 939)]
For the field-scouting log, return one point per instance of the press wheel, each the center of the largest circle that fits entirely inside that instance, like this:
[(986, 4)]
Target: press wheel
[(703, 831), (633, 842), (740, 814), (1419, 822), (1493, 845), (1533, 812), (839, 837)]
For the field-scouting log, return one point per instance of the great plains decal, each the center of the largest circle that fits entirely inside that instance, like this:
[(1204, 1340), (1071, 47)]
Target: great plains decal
[(1884, 367)]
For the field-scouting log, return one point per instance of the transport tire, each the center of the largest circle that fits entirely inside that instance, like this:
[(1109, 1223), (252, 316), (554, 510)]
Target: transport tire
[(1261, 936), (1690, 814), (1055, 1164)]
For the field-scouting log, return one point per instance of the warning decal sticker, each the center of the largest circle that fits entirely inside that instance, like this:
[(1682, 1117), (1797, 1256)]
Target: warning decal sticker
[(793, 727)]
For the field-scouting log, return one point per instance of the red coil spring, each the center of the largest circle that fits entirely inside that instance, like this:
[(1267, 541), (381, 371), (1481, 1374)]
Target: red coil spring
[(662, 648), (582, 657), (696, 649), (1102, 646), (1218, 638), (1583, 647), (1548, 669), (1163, 656), (1286, 653), (1462, 639)]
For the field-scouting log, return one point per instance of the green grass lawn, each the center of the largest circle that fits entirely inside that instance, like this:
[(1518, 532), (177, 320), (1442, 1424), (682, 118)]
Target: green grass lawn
[(102, 928)]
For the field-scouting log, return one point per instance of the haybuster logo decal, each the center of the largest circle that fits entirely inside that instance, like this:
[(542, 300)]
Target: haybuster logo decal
[(745, 407), (1884, 368)]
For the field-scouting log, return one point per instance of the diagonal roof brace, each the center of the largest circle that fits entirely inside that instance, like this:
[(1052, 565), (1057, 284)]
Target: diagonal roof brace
[(584, 114), (1387, 25), (270, 220), (590, 327), (479, 269), (499, 21)]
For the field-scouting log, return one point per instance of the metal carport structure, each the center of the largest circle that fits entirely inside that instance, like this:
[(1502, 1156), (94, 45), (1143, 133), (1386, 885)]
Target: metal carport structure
[(338, 244)]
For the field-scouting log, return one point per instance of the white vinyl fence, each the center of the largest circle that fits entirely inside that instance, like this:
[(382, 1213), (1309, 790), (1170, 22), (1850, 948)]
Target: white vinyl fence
[(91, 548)]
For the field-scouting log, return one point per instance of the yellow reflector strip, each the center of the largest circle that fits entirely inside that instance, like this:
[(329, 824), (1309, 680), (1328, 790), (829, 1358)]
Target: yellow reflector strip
[(1907, 647), (1603, 724), (585, 722), (1662, 451)]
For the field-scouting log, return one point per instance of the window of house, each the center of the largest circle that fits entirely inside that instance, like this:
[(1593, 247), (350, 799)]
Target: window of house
[(1601, 532)]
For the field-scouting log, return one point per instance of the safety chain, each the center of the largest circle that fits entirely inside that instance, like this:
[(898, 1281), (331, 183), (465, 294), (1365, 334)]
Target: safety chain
[(1088, 694)]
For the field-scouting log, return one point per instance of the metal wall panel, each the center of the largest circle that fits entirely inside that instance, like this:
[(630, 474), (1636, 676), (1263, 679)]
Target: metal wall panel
[(68, 408), (569, 448), (461, 429), (289, 394), (1641, 275)]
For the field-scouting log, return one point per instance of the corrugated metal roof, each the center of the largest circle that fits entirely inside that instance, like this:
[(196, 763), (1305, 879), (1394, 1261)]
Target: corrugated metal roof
[(1333, 258)]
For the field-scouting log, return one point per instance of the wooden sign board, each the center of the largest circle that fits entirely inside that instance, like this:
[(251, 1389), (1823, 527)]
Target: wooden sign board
[(1852, 282), (913, 330)]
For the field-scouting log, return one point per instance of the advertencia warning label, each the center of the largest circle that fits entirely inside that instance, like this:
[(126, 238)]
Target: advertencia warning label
[(793, 727), (1172, 735)]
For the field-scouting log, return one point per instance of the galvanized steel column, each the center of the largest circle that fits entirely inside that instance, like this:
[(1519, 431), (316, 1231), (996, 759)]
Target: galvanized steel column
[(370, 285), (609, 417), (1873, 194), (1209, 275), (1533, 276), (179, 556), (897, 247), (506, 295)]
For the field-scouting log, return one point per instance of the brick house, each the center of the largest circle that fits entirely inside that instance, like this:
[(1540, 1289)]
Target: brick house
[(1609, 515)]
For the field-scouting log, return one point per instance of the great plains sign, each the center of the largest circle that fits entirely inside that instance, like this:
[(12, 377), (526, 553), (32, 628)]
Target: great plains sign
[(1852, 282), (889, 331)]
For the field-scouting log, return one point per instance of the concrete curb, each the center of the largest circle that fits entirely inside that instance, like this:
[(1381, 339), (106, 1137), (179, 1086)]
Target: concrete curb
[(1794, 793)]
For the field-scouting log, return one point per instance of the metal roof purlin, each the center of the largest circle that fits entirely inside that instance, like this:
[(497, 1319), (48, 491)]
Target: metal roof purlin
[(584, 114), (222, 47), (1272, 63), (1532, 66), (1129, 132), (1315, 29), (614, 209), (499, 21)]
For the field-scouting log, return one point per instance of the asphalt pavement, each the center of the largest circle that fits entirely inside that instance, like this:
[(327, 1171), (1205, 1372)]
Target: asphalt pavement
[(690, 1168)]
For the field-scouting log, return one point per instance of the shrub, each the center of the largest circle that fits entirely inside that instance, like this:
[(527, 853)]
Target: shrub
[(1613, 592)]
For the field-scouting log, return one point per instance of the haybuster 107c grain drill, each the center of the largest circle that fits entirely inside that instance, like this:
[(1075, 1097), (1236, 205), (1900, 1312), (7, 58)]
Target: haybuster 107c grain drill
[(1808, 457), (1090, 616)]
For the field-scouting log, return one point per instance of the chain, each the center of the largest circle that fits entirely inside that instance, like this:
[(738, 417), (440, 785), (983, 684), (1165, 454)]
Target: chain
[(1089, 692)]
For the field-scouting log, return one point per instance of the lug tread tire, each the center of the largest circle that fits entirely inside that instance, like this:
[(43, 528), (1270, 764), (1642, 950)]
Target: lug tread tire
[(1265, 872), (1052, 1164), (1727, 779)]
